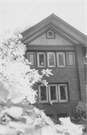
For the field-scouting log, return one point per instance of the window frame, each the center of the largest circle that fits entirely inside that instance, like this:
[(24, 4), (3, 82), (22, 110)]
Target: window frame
[(66, 91), (38, 64), (63, 53), (33, 57), (48, 53), (73, 53), (56, 100), (48, 36), (41, 101)]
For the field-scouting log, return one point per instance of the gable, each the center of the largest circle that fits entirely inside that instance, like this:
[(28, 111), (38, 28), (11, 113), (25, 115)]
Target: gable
[(67, 31), (44, 40)]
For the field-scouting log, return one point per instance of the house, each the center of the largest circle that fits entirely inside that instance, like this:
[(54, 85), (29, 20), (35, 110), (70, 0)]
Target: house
[(54, 44)]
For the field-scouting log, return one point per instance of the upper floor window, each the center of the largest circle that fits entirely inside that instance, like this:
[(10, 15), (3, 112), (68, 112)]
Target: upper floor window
[(63, 95), (61, 59), (51, 59), (31, 57), (50, 34), (41, 60), (70, 58)]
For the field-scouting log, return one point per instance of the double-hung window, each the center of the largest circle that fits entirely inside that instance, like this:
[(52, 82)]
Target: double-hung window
[(51, 59), (43, 94), (63, 95), (53, 93), (61, 59), (41, 59), (31, 57)]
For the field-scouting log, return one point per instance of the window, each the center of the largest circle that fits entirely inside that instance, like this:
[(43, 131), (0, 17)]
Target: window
[(50, 34), (62, 115), (70, 58), (51, 59), (50, 115), (43, 94), (41, 61), (63, 95), (61, 59), (31, 57), (53, 95)]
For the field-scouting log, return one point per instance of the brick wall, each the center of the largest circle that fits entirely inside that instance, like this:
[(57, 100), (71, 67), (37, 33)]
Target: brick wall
[(63, 75), (75, 77)]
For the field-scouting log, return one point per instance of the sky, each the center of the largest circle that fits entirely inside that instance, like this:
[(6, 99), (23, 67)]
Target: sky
[(22, 14)]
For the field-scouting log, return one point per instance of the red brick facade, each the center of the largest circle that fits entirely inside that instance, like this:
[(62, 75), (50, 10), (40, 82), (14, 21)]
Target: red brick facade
[(75, 76)]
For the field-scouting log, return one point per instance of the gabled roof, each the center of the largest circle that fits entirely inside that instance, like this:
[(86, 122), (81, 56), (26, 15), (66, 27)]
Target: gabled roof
[(59, 25)]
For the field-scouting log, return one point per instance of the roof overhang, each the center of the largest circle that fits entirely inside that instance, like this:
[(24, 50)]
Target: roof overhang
[(61, 27)]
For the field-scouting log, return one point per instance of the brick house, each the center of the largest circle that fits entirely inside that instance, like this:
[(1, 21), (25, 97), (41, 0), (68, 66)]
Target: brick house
[(56, 45)]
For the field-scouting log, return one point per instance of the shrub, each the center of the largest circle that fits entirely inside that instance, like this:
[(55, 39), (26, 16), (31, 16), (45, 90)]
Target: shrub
[(79, 115)]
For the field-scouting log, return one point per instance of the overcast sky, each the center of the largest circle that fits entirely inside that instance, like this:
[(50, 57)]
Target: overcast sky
[(25, 13)]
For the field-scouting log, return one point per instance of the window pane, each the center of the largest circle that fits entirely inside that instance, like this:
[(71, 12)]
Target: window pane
[(43, 93), (53, 92), (63, 92), (61, 59), (51, 59), (41, 60), (71, 59)]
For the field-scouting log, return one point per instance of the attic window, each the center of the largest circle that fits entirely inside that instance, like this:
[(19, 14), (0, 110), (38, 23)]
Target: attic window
[(50, 34)]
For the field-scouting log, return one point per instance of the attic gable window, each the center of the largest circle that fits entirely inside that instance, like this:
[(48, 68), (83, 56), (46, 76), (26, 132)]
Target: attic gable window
[(50, 34)]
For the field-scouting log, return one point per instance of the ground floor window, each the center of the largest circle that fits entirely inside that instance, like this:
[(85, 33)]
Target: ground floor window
[(53, 93), (43, 94), (63, 95)]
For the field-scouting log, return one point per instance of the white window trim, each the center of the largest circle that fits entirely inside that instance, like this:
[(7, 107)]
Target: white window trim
[(61, 100), (50, 94), (73, 58), (38, 59), (45, 101), (48, 53), (50, 37), (33, 59), (58, 59)]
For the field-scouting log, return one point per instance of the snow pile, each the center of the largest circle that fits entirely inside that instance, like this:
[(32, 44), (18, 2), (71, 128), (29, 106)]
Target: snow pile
[(67, 127), (29, 120)]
